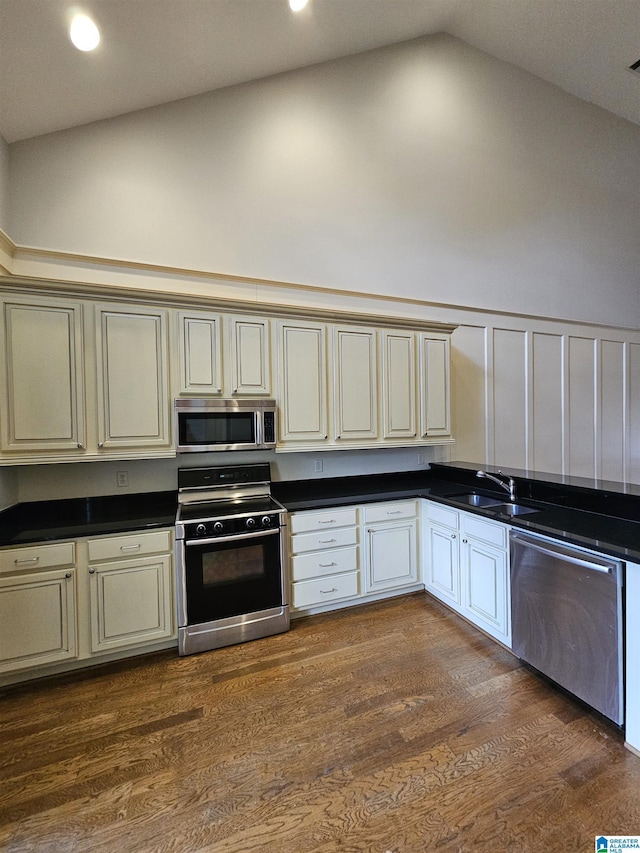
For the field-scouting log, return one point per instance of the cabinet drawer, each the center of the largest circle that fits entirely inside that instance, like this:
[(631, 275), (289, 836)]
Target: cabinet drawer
[(326, 539), (390, 511), (303, 522), (319, 564), (120, 547), (443, 515), (492, 532), (325, 590), (37, 557)]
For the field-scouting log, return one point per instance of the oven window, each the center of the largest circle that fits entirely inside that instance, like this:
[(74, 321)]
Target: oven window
[(219, 567), (217, 428)]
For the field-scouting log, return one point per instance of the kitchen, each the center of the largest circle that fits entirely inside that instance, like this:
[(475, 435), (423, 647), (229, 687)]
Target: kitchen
[(509, 209)]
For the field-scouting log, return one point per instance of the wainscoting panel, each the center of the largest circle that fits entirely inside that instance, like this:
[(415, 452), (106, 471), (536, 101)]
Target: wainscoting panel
[(558, 397)]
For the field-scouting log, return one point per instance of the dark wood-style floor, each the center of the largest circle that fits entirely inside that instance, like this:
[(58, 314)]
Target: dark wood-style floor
[(390, 727)]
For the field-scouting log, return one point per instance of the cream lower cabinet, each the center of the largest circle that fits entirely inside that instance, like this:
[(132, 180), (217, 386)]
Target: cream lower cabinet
[(391, 536), (37, 606), (468, 567), (632, 657), (65, 604), (130, 587), (325, 557)]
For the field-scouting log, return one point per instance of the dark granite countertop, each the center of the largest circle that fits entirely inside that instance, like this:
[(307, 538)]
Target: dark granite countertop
[(603, 517), (42, 521)]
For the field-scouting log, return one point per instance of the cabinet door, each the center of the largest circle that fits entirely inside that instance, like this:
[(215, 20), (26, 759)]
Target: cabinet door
[(443, 564), (37, 619), (486, 589), (391, 556), (130, 602), (250, 363), (355, 385), (133, 395), (435, 390), (43, 389), (200, 344), (399, 385), (303, 378)]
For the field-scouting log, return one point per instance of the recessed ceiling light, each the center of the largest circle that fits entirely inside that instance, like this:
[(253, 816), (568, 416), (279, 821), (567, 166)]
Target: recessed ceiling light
[(297, 5), (83, 32)]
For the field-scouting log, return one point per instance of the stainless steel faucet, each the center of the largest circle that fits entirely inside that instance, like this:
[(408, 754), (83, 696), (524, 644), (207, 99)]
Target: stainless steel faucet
[(507, 483)]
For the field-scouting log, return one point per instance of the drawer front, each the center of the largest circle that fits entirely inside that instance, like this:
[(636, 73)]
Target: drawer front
[(304, 522), (326, 539), (443, 515), (375, 513), (34, 557), (492, 532), (319, 564), (123, 547), (325, 590)]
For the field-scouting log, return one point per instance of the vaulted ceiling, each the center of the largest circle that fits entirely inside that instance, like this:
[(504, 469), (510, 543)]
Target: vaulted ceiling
[(156, 51)]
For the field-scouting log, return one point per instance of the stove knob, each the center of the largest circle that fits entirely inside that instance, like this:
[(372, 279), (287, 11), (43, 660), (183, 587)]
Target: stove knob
[(250, 523), (201, 529), (266, 521), (218, 527)]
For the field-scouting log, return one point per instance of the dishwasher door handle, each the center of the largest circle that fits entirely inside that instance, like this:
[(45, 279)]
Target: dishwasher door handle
[(567, 555)]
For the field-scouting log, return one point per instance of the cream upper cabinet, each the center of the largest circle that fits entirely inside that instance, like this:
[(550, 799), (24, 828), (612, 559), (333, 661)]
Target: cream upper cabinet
[(250, 362), (355, 384), (302, 392), (435, 417), (225, 356), (42, 378), (200, 353), (399, 409), (132, 377)]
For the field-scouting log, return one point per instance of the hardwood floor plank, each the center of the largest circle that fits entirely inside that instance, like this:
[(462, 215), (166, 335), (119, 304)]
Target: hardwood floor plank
[(391, 727)]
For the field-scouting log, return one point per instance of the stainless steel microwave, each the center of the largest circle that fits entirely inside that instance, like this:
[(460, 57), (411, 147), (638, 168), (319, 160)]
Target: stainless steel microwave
[(209, 424)]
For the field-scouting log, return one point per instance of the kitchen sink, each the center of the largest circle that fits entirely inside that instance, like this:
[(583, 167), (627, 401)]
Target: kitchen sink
[(513, 509), (475, 500)]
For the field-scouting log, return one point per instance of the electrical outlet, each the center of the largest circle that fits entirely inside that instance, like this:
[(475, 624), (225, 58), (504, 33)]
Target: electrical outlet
[(421, 459), (317, 466), (122, 479)]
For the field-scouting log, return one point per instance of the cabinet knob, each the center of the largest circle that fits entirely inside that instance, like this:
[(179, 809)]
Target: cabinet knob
[(67, 574), (80, 446), (464, 541), (92, 571), (453, 535), (101, 444)]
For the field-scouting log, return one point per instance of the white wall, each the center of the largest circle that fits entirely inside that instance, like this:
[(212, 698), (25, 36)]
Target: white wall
[(428, 170), (51, 482), (4, 185)]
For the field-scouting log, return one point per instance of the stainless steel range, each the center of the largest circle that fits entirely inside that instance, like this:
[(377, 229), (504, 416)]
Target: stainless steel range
[(231, 557)]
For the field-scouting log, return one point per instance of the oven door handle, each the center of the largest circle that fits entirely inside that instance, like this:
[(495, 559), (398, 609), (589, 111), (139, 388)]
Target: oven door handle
[(235, 538)]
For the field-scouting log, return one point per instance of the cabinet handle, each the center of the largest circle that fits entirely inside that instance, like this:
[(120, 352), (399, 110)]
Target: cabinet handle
[(67, 575), (80, 446), (326, 541), (327, 591), (101, 444), (130, 547), (394, 512), (464, 541), (453, 535), (92, 571), (328, 521), (326, 565), (26, 562)]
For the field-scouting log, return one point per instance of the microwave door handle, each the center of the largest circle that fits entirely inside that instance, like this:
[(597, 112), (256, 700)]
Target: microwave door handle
[(258, 427)]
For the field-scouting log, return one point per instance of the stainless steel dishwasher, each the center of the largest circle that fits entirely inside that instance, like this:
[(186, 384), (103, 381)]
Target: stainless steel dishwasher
[(566, 614)]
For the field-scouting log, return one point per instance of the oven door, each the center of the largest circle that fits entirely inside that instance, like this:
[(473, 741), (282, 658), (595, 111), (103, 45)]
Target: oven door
[(231, 576)]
